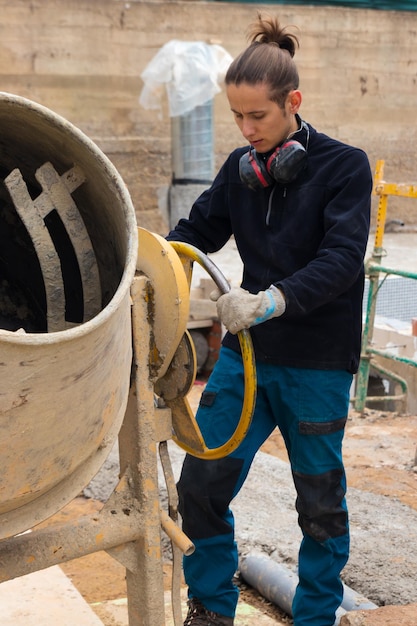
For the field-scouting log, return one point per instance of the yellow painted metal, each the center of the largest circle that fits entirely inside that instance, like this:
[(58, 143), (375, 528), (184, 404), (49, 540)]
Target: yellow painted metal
[(174, 387), (197, 446), (176, 535), (382, 205), (407, 190), (383, 190), (170, 298), (181, 372), (138, 454), (168, 266), (397, 189)]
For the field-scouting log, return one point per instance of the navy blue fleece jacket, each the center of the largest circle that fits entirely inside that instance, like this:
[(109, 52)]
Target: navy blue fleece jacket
[(308, 238)]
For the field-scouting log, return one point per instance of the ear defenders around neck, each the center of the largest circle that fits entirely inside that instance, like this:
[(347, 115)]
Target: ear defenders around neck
[(282, 166)]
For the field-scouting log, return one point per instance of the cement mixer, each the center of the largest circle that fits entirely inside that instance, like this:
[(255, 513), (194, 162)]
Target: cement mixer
[(68, 257), (92, 331)]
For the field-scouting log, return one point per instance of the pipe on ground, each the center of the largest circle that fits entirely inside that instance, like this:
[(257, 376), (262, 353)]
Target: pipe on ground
[(277, 583)]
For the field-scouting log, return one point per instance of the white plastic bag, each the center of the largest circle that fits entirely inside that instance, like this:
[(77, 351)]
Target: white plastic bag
[(190, 71)]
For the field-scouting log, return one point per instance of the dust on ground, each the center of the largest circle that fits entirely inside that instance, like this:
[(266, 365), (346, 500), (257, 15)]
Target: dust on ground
[(380, 458)]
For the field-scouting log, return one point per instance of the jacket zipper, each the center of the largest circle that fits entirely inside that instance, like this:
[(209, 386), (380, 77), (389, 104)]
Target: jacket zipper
[(268, 214)]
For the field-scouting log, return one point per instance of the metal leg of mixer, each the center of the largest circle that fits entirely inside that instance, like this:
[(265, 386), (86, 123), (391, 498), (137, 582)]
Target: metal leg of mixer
[(138, 459)]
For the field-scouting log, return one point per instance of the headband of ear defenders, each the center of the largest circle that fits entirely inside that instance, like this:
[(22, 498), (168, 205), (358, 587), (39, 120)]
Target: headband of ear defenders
[(283, 166)]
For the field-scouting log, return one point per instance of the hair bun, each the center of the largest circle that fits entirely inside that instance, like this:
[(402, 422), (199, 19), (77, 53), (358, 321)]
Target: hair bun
[(268, 30)]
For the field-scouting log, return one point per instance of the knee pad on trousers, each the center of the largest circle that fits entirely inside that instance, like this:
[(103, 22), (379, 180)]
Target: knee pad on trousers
[(205, 490), (320, 504)]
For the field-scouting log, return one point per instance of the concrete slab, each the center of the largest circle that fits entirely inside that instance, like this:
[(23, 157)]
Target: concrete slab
[(114, 612), (44, 598)]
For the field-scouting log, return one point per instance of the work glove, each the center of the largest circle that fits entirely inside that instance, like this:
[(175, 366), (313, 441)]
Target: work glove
[(239, 309)]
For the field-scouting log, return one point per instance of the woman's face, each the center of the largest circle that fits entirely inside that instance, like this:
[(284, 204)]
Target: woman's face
[(261, 121)]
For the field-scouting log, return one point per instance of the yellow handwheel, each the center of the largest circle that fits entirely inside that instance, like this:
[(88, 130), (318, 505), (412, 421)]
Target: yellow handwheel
[(181, 411)]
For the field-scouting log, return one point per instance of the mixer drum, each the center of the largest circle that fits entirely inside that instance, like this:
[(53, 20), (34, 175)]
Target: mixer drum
[(68, 249)]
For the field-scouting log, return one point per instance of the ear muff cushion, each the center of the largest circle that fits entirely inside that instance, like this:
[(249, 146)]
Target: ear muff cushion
[(283, 166), (286, 163), (253, 172)]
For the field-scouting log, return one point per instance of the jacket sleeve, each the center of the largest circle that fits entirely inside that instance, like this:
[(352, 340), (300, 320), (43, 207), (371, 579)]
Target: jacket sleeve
[(339, 259)]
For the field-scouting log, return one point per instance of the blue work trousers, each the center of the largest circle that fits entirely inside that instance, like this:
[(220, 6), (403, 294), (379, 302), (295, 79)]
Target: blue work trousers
[(310, 409)]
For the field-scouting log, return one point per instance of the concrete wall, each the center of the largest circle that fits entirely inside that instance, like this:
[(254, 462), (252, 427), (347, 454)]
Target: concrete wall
[(83, 59)]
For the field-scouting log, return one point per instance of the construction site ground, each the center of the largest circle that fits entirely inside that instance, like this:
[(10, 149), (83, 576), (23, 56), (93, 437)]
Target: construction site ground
[(380, 450)]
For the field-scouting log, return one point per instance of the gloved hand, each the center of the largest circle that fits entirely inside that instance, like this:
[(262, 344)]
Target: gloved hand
[(240, 309)]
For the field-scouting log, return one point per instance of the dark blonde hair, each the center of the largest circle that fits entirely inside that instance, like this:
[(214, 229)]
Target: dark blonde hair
[(268, 59)]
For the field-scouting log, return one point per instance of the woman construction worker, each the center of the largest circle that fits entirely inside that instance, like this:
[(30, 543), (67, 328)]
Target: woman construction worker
[(298, 205)]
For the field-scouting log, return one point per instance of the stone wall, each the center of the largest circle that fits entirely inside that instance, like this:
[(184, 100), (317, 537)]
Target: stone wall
[(83, 59)]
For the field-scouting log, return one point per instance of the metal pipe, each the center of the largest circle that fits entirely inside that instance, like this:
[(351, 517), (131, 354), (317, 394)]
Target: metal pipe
[(393, 357), (172, 494), (175, 534), (390, 271), (53, 545), (277, 583)]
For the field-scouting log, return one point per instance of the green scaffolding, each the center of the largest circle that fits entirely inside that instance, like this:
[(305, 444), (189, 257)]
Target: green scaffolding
[(374, 270)]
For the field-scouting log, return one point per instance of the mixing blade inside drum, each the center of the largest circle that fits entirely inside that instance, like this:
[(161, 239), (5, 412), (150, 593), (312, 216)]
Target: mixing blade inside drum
[(50, 279)]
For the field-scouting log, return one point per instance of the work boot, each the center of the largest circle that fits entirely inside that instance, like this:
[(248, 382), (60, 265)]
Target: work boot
[(198, 615)]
